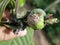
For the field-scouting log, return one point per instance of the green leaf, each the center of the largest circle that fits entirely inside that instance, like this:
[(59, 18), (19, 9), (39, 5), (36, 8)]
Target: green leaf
[(11, 4), (0, 1), (41, 3), (3, 5), (21, 3)]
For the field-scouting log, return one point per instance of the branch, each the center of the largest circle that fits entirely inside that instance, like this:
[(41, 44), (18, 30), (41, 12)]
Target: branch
[(52, 5)]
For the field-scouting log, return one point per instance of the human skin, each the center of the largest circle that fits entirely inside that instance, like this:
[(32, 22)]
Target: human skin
[(4, 35)]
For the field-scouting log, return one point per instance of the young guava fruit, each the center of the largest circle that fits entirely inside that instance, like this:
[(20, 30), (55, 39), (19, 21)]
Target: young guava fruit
[(36, 19), (39, 25)]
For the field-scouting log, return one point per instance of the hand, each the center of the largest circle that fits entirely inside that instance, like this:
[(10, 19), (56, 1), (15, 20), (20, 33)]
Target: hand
[(8, 34)]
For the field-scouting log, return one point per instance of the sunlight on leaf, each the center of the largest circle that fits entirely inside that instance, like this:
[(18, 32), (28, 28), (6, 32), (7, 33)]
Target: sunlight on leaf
[(21, 3)]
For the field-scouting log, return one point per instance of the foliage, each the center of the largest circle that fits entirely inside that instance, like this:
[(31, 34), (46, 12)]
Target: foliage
[(11, 5), (51, 30), (3, 5), (53, 33), (21, 3), (41, 3)]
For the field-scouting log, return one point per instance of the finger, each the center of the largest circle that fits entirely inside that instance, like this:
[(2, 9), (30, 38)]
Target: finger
[(2, 28), (12, 35), (9, 36), (6, 36), (2, 34)]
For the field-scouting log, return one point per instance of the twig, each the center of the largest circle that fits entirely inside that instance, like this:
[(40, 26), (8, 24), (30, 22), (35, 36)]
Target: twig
[(52, 5), (16, 7)]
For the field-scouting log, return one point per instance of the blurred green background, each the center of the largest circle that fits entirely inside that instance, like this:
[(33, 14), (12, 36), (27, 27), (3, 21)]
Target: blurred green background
[(50, 34)]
